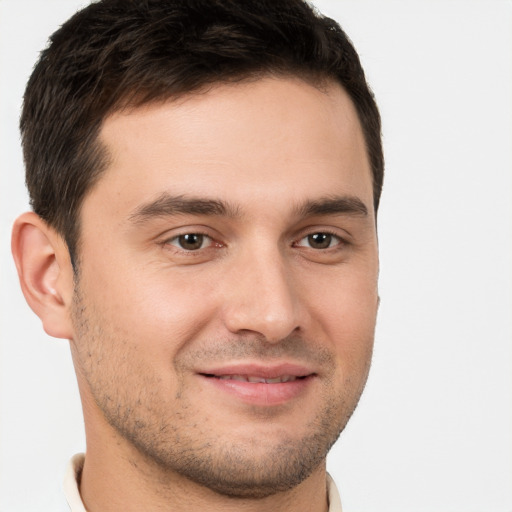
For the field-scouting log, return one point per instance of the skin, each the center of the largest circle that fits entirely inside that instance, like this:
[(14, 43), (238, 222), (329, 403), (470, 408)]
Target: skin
[(285, 276)]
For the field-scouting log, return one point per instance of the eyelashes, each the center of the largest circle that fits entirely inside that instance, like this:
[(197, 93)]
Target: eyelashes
[(191, 241), (200, 245), (320, 240)]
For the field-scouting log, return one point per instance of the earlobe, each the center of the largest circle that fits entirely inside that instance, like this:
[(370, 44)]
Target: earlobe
[(45, 273)]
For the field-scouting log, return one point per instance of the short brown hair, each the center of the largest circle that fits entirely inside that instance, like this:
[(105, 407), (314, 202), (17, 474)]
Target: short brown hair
[(117, 53)]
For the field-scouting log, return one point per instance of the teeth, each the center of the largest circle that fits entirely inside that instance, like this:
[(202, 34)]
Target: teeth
[(277, 379), (255, 379), (261, 380)]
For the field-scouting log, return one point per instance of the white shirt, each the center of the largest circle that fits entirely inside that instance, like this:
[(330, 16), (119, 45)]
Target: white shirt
[(76, 505)]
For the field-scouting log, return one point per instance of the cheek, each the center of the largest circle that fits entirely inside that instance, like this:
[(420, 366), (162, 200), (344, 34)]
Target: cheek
[(160, 308), (346, 313), (345, 302), (352, 336)]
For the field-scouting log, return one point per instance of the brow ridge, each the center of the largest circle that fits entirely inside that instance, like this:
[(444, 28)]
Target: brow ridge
[(169, 205), (333, 205)]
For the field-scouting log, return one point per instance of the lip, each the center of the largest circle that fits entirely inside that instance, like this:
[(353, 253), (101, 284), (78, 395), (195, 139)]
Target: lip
[(298, 379)]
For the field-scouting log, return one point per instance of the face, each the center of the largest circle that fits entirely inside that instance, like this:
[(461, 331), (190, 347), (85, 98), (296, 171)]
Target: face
[(226, 299)]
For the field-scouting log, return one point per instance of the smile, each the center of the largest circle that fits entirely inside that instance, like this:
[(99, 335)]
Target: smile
[(260, 385), (257, 379)]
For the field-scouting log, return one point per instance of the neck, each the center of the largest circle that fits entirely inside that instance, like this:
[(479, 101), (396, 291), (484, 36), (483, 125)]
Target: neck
[(110, 483), (117, 477)]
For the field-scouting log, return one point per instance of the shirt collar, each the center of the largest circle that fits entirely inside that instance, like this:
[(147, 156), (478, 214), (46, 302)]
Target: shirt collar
[(71, 483)]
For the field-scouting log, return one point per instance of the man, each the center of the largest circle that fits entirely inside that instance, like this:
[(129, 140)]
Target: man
[(205, 178)]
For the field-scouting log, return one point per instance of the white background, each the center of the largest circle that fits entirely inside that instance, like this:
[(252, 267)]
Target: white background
[(433, 431)]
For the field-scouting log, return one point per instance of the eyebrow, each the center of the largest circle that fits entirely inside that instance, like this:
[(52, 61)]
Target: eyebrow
[(167, 205), (333, 205)]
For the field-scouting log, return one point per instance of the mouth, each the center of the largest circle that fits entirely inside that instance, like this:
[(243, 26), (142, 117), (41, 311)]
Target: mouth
[(257, 379), (260, 385)]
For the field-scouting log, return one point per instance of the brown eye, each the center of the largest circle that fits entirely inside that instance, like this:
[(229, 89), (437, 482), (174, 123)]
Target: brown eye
[(190, 241), (319, 241)]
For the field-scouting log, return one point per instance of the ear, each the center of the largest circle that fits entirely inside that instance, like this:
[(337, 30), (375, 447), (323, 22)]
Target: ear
[(45, 273)]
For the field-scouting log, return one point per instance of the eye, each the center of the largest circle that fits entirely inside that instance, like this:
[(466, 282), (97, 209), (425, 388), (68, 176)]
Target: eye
[(319, 241), (191, 241)]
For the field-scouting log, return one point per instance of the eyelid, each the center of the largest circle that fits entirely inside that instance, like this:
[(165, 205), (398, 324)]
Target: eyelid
[(338, 241), (175, 232), (176, 238), (343, 236)]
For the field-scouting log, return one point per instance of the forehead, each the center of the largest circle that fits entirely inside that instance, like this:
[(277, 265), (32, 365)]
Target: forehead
[(249, 142)]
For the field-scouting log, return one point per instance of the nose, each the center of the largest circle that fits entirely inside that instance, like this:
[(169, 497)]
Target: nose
[(261, 297)]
